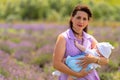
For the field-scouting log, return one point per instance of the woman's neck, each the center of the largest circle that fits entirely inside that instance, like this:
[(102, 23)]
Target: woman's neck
[(78, 34)]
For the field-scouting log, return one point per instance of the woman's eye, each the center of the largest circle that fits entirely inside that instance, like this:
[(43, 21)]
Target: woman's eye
[(78, 17), (84, 18)]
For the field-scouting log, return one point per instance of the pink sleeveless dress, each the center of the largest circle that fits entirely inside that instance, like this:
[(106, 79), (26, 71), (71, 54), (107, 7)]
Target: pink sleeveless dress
[(72, 51)]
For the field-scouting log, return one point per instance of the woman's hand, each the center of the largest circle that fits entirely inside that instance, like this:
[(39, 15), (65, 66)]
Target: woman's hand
[(84, 73), (76, 43), (86, 60)]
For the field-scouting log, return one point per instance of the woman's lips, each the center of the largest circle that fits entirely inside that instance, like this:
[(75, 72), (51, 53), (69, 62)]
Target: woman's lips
[(80, 25)]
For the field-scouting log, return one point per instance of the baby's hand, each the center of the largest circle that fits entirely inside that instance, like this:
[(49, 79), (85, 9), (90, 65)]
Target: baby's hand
[(76, 43)]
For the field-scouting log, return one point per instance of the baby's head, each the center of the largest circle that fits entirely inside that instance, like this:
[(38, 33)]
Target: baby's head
[(105, 48)]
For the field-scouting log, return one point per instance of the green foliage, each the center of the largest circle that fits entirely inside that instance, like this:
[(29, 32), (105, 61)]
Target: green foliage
[(110, 76), (48, 69), (15, 40), (16, 78), (115, 75), (45, 38), (45, 9), (115, 44), (112, 66), (53, 16), (4, 72), (12, 30), (105, 76), (6, 48), (20, 63), (4, 35), (1, 30), (29, 10), (42, 59), (42, 43)]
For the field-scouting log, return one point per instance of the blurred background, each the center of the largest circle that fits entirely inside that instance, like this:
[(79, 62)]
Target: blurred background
[(29, 29)]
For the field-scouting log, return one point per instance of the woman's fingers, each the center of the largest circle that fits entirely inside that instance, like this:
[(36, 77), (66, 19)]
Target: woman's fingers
[(84, 72), (80, 58), (83, 62)]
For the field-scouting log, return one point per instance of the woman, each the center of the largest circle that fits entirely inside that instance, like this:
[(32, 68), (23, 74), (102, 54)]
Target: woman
[(65, 46)]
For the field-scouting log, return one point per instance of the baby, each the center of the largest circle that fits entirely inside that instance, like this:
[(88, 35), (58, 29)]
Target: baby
[(102, 49)]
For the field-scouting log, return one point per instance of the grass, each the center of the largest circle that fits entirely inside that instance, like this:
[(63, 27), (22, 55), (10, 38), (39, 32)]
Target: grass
[(4, 72), (105, 23)]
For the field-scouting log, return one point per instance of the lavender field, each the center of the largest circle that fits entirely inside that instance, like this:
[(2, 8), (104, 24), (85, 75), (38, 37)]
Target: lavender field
[(26, 50)]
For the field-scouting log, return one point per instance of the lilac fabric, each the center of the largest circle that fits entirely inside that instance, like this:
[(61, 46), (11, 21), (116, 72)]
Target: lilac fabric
[(72, 50)]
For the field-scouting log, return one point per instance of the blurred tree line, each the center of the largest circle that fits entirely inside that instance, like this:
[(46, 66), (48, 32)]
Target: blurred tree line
[(57, 10)]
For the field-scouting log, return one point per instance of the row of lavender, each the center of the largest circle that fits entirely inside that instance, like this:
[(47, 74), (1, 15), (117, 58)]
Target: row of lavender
[(21, 46), (26, 50)]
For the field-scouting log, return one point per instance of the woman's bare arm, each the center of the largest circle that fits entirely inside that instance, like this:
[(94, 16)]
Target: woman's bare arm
[(58, 57)]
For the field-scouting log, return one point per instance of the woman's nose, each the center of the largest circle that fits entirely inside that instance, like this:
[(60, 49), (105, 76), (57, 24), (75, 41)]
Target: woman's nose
[(81, 21)]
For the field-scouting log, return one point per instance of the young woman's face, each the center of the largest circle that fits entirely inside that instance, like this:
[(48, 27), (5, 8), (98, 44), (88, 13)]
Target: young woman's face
[(80, 21)]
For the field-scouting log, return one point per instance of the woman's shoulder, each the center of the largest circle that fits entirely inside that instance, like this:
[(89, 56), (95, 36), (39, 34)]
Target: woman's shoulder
[(61, 36), (87, 35), (90, 37), (92, 40), (65, 33), (61, 39)]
